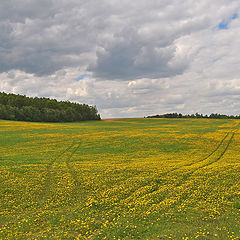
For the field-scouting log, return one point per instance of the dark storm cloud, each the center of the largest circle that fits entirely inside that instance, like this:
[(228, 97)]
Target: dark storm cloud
[(128, 57), (42, 37), (112, 39)]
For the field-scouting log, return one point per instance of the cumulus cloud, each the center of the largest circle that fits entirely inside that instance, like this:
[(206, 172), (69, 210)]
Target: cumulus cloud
[(128, 58)]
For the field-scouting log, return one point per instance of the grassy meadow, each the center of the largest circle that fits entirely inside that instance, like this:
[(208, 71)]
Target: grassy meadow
[(120, 179)]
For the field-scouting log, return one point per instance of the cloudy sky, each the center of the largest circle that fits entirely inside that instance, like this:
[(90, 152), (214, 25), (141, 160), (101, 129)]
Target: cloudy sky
[(129, 58)]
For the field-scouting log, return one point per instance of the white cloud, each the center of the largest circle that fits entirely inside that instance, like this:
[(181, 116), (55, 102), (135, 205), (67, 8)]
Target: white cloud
[(142, 57)]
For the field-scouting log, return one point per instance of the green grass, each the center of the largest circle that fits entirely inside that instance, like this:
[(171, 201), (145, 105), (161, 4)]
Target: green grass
[(120, 179)]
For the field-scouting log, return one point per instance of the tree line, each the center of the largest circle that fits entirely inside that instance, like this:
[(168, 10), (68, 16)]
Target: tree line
[(21, 108), (196, 115)]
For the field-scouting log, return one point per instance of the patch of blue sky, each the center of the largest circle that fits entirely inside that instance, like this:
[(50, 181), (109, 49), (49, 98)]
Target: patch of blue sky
[(225, 23), (83, 76), (235, 16)]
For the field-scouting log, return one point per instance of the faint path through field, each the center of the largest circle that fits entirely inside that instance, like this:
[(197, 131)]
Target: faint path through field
[(61, 159), (190, 169)]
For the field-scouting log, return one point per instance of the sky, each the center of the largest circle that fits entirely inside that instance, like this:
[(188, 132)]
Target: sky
[(129, 58)]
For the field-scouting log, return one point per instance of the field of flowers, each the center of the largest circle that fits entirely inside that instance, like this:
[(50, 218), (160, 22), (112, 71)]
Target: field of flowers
[(120, 179)]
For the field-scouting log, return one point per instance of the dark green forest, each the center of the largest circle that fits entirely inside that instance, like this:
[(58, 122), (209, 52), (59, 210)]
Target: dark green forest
[(22, 108), (196, 115)]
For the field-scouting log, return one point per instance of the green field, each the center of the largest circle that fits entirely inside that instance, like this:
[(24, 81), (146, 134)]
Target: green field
[(120, 179)]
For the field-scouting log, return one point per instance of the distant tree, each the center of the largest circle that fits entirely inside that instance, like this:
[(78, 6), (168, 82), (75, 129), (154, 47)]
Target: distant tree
[(22, 108), (196, 115)]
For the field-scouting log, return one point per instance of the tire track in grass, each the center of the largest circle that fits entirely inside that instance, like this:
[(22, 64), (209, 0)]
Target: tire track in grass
[(201, 160), (164, 193), (66, 157), (79, 192), (156, 181), (70, 168), (221, 155), (234, 130), (181, 167), (188, 175), (48, 176), (185, 177), (222, 152), (209, 155)]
